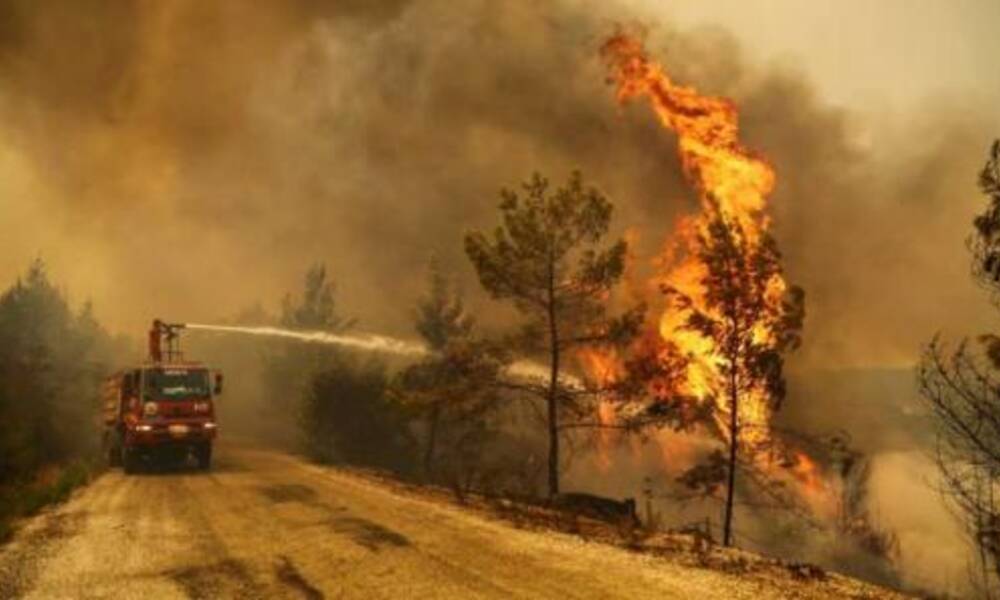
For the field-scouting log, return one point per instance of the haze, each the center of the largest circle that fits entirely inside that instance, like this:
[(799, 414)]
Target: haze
[(189, 160)]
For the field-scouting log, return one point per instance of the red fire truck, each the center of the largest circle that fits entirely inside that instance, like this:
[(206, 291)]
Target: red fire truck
[(163, 408)]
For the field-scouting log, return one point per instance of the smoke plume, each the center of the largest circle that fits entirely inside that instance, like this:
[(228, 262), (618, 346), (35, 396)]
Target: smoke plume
[(187, 159)]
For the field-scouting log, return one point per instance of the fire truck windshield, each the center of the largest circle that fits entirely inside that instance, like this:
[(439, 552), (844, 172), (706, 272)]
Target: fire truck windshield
[(176, 384)]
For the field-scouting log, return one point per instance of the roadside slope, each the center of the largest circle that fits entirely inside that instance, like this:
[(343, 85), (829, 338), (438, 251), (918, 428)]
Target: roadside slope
[(266, 524)]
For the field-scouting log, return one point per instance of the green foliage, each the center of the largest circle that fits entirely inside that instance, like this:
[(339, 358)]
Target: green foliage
[(28, 498), (349, 417), (316, 309), (452, 392), (289, 366), (546, 256), (547, 259), (440, 316), (339, 404), (35, 497), (51, 363)]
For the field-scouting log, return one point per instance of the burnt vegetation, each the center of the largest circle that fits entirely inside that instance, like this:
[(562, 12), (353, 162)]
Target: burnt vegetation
[(960, 388)]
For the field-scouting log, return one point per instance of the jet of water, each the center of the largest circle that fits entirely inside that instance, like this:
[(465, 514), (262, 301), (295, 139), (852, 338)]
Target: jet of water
[(361, 341), (524, 369)]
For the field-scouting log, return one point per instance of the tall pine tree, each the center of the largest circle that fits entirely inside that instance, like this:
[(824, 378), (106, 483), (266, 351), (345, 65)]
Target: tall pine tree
[(547, 258), (751, 329)]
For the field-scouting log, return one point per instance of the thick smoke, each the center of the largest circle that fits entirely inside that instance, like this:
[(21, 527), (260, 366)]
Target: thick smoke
[(210, 152), (186, 159)]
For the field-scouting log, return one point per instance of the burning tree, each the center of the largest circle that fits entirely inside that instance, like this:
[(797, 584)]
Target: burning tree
[(742, 314), (961, 389), (546, 257), (730, 315)]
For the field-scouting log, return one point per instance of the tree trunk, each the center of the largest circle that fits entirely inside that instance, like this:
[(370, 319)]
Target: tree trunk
[(727, 528), (432, 427), (553, 442), (553, 395)]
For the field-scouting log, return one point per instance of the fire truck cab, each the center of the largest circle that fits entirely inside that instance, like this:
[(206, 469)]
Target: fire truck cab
[(163, 408)]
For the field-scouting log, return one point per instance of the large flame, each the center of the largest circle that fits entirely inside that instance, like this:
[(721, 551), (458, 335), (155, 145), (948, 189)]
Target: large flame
[(605, 368), (732, 183), (731, 180)]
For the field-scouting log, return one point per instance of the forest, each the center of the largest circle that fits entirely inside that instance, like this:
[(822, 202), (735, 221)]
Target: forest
[(702, 272)]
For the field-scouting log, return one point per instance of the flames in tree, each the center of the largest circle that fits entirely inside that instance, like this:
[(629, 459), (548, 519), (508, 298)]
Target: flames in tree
[(712, 333), (733, 184)]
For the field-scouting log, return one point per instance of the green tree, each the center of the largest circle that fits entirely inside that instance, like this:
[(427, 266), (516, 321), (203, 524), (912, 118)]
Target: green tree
[(547, 259), (738, 306), (440, 315), (349, 417), (289, 366), (317, 309), (454, 389), (51, 362)]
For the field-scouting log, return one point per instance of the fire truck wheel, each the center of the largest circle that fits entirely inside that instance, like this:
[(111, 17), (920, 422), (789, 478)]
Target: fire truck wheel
[(114, 456), (130, 462), (204, 456)]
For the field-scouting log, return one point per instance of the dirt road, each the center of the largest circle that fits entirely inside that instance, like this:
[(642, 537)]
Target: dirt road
[(268, 525)]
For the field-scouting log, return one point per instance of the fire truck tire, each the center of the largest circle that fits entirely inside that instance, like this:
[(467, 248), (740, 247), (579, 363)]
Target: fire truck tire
[(114, 455), (204, 457), (130, 462)]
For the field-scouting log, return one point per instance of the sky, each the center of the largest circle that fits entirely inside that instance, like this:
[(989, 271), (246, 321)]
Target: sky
[(867, 56)]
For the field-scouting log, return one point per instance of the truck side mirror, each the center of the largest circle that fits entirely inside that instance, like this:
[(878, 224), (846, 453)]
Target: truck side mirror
[(218, 384)]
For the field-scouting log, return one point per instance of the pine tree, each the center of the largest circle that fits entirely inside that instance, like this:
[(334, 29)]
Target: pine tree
[(547, 259), (738, 305), (289, 367), (51, 362), (453, 389)]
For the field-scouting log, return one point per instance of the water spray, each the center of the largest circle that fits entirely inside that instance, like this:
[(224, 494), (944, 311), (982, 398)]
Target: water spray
[(371, 342), (524, 369)]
